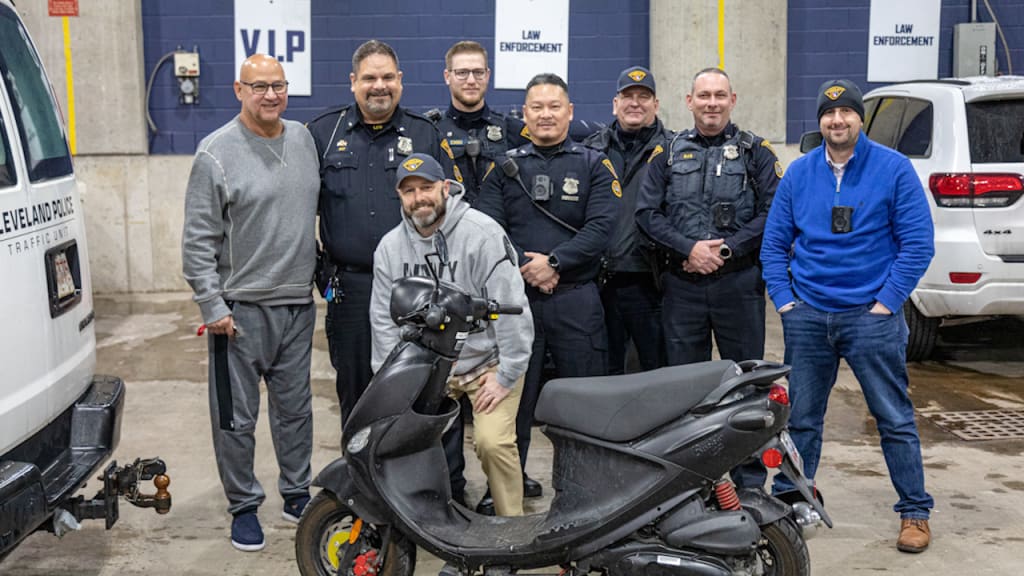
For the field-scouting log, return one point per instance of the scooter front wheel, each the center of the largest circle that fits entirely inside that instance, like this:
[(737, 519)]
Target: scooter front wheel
[(331, 540), (782, 550)]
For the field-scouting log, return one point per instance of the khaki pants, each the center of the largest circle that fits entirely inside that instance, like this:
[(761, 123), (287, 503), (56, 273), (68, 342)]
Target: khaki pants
[(494, 439)]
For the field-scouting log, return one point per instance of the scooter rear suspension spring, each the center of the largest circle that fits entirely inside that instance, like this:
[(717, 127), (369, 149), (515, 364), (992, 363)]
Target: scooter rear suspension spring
[(725, 492)]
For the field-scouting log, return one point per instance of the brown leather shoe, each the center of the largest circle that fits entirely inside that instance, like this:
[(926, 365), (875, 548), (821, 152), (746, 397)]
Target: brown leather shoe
[(914, 535)]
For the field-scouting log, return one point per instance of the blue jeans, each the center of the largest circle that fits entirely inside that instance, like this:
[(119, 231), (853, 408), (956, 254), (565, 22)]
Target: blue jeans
[(874, 346)]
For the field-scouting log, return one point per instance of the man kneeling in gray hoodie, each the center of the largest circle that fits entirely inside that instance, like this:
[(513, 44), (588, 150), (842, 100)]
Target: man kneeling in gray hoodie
[(492, 363)]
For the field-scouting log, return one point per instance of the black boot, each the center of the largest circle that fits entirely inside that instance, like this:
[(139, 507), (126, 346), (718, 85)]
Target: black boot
[(531, 488), (486, 505)]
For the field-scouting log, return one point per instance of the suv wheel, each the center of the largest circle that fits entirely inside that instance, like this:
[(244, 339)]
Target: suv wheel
[(924, 331)]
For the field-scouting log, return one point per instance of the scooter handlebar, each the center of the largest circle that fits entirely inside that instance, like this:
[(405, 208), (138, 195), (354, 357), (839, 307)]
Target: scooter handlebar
[(509, 309)]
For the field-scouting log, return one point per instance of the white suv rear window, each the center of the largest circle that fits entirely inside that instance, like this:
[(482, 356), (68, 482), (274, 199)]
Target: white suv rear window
[(996, 129)]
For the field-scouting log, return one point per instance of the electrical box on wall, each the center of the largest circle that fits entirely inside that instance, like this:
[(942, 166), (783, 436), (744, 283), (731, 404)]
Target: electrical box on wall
[(186, 68), (974, 49)]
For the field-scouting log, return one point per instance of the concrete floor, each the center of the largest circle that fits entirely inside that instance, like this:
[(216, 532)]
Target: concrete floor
[(150, 342)]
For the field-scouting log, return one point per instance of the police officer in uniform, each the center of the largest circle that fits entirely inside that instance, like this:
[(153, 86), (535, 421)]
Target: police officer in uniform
[(631, 294), (559, 202), (360, 146), (706, 202), (477, 134)]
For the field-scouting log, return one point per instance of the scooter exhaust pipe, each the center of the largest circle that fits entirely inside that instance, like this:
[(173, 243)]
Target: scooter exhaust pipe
[(808, 519)]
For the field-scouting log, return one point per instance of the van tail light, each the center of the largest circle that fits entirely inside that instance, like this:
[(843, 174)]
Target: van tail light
[(975, 190)]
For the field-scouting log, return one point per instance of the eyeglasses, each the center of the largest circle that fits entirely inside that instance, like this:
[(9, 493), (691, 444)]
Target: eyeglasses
[(463, 73), (261, 88)]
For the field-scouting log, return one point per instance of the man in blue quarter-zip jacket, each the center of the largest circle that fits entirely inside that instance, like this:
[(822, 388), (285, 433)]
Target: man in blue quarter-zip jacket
[(847, 239)]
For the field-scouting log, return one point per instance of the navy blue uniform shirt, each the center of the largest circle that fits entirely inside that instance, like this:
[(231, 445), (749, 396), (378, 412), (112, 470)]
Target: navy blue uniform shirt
[(358, 202), (584, 193), (495, 132)]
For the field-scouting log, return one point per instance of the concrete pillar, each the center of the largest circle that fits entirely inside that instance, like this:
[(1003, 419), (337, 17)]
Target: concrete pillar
[(107, 58), (684, 39)]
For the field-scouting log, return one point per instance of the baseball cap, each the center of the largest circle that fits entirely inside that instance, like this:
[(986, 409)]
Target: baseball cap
[(837, 93), (636, 76), (421, 165)]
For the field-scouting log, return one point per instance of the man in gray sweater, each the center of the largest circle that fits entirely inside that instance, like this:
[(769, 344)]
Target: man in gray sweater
[(492, 363), (248, 252)]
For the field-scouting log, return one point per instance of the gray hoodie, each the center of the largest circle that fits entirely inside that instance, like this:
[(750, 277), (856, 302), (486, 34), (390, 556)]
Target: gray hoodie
[(475, 244)]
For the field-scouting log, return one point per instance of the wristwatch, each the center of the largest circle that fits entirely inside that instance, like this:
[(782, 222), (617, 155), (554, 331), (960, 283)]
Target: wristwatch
[(553, 262), (725, 252)]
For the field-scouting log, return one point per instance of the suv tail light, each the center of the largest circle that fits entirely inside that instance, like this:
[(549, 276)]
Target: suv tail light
[(975, 190)]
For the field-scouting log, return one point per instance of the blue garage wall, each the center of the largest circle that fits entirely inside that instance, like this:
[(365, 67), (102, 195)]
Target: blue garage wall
[(605, 37), (829, 39)]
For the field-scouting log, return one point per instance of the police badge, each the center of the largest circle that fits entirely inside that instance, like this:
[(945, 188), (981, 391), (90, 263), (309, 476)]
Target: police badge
[(405, 145), (730, 152), (570, 186), (494, 133)]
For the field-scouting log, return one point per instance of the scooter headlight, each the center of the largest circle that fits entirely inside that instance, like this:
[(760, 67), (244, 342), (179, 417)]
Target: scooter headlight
[(359, 440)]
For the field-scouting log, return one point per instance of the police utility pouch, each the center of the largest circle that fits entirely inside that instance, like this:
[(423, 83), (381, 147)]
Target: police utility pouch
[(842, 219)]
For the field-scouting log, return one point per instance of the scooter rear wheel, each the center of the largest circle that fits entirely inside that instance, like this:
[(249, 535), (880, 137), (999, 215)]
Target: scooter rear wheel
[(782, 550), (322, 542)]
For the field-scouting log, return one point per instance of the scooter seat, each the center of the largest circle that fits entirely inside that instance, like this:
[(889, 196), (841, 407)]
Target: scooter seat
[(622, 408)]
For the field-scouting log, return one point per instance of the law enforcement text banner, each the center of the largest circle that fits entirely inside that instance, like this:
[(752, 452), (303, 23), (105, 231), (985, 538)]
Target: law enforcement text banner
[(903, 40), (278, 29), (530, 37)]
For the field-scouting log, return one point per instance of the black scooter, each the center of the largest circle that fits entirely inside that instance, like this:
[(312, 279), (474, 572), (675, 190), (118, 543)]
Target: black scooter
[(640, 466)]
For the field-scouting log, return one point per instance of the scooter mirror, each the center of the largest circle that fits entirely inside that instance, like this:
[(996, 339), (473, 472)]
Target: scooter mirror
[(441, 247), (510, 251)]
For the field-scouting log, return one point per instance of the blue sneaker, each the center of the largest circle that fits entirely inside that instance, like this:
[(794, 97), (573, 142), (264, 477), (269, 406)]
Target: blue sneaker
[(246, 533), (293, 508)]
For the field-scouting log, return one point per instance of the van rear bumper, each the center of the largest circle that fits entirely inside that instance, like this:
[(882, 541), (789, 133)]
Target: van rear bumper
[(43, 473)]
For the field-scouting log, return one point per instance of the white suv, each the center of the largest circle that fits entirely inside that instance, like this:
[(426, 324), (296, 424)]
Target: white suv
[(965, 138)]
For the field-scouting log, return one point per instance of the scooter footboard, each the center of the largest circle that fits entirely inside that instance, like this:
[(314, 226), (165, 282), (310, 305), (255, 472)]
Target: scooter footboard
[(336, 478)]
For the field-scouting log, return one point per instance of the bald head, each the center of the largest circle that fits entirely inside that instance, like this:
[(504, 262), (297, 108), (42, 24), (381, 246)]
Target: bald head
[(259, 64)]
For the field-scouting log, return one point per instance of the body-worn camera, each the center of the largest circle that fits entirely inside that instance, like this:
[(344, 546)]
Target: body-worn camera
[(842, 219), (541, 187), (724, 214)]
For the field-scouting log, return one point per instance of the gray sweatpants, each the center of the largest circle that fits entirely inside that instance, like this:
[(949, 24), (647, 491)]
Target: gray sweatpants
[(275, 343)]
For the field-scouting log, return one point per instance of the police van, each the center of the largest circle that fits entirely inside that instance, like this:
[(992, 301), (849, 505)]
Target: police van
[(59, 422)]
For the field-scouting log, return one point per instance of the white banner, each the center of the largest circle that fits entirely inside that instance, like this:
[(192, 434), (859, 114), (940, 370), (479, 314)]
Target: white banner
[(530, 37), (903, 43), (278, 29)]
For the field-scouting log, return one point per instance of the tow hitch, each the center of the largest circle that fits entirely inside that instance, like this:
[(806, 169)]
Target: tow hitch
[(125, 481)]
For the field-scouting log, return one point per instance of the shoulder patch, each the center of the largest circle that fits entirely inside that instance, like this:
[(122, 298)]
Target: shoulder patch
[(778, 169), (657, 150), (525, 133), (608, 164), (447, 149), (490, 168), (457, 172), (616, 188)]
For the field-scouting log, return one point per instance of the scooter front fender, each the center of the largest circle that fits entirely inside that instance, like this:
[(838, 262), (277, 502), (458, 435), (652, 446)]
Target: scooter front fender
[(336, 478)]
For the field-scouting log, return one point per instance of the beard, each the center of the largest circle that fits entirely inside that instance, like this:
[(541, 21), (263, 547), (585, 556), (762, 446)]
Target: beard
[(425, 220), (468, 102), (378, 107)]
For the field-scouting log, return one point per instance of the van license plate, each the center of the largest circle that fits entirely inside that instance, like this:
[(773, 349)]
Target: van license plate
[(65, 282)]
